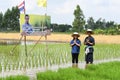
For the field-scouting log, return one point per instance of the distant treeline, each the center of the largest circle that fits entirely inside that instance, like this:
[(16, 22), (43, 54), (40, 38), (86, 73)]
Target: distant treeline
[(9, 21), (101, 26)]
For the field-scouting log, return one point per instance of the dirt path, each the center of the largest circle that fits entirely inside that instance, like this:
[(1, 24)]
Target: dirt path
[(32, 72)]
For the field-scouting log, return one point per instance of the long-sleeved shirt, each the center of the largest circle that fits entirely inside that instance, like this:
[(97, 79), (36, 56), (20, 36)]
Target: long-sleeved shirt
[(27, 28)]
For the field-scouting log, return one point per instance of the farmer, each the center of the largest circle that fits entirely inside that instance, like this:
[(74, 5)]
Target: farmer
[(89, 42), (75, 44), (27, 27)]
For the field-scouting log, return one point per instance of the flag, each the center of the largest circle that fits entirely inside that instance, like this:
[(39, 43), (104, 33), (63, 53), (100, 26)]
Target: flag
[(42, 3), (21, 7)]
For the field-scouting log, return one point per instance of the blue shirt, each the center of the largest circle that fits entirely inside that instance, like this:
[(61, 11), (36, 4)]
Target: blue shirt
[(90, 39), (27, 28), (75, 48)]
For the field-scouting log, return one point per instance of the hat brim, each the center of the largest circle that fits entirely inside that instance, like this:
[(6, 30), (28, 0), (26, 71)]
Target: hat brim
[(75, 35)]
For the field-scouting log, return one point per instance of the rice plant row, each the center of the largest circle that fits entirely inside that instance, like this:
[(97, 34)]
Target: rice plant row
[(51, 54)]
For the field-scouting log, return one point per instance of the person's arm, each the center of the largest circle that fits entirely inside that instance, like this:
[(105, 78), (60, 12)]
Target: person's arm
[(72, 43), (91, 43), (23, 31)]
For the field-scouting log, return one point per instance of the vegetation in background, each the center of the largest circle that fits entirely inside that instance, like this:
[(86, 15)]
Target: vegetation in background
[(100, 26), (10, 20), (79, 21), (61, 27), (104, 71)]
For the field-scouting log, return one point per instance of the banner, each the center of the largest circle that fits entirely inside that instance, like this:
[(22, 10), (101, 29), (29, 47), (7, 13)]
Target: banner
[(42, 3)]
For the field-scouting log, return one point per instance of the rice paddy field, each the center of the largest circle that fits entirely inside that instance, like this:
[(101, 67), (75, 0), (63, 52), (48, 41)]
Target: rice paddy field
[(47, 54), (53, 54)]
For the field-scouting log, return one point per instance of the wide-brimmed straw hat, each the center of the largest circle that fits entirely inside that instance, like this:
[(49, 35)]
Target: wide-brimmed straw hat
[(75, 34), (89, 30)]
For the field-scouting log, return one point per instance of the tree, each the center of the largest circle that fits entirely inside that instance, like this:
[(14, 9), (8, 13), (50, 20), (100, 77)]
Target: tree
[(1, 20), (79, 21), (60, 27), (15, 19), (7, 20), (11, 20), (90, 23)]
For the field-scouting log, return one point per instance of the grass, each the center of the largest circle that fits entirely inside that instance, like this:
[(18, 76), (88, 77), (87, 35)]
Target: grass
[(104, 71), (15, 78)]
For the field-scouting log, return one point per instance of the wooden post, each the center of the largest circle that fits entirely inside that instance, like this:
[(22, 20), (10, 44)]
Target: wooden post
[(25, 54), (25, 45), (46, 44)]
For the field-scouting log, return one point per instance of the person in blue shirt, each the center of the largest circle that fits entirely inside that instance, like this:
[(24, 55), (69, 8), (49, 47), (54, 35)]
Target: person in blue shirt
[(26, 27), (89, 42), (75, 44)]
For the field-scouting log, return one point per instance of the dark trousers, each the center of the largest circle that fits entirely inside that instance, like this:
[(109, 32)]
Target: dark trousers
[(75, 57), (89, 58)]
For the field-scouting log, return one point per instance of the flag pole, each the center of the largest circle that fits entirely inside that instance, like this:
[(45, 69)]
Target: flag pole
[(25, 36), (47, 27), (24, 8), (25, 41)]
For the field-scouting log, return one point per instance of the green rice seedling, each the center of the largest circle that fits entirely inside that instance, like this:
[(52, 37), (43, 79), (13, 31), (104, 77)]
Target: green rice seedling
[(16, 78), (55, 54)]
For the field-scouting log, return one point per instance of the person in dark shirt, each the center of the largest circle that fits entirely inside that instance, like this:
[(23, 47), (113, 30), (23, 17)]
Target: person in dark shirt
[(75, 44), (89, 42)]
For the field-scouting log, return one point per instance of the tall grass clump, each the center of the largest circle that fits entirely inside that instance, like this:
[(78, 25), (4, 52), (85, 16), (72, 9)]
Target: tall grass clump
[(103, 71)]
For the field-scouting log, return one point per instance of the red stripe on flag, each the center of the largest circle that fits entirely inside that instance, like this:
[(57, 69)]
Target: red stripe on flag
[(21, 4)]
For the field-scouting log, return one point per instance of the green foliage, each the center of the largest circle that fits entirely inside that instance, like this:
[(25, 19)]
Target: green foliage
[(90, 23), (110, 31), (15, 78), (1, 19), (104, 71), (79, 21), (60, 27), (99, 31), (10, 20), (103, 27)]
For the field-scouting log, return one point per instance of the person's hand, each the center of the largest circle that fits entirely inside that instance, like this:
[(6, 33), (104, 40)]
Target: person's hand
[(87, 41), (74, 41)]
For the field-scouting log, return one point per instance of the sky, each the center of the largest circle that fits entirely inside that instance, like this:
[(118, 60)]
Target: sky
[(61, 11)]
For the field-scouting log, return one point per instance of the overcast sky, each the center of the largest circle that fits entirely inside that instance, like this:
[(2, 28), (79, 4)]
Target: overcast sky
[(61, 11)]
